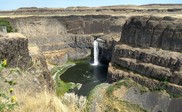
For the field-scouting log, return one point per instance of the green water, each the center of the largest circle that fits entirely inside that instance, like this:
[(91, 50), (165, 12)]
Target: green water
[(86, 74)]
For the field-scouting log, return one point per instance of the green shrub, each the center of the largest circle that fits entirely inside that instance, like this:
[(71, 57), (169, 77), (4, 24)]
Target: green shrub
[(62, 87), (6, 23)]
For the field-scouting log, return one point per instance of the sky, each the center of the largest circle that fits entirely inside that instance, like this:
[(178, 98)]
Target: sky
[(15, 4)]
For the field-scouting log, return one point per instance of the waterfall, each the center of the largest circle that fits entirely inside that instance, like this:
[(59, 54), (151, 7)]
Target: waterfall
[(4, 29), (96, 53)]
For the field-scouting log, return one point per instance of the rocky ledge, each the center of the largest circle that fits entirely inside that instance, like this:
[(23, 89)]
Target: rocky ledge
[(149, 52)]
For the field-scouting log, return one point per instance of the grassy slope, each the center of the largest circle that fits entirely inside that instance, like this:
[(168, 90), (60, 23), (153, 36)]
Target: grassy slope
[(102, 99), (61, 86)]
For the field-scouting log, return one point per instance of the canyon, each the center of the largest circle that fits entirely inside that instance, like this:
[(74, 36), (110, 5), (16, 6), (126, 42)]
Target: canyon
[(60, 31), (142, 43)]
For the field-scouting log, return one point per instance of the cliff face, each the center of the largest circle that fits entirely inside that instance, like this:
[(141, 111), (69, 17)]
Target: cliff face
[(164, 33), (37, 26), (58, 50), (59, 36), (57, 25), (33, 73), (149, 52), (14, 48), (59, 32)]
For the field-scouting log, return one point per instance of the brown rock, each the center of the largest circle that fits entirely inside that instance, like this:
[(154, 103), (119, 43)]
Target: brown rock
[(14, 48)]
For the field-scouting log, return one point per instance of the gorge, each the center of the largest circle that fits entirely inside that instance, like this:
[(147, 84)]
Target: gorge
[(138, 43)]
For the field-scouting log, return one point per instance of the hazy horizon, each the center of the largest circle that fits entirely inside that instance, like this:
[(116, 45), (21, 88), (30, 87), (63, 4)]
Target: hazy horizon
[(12, 5)]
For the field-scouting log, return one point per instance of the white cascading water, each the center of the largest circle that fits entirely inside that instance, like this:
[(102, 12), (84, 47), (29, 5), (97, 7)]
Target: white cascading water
[(96, 53), (4, 29)]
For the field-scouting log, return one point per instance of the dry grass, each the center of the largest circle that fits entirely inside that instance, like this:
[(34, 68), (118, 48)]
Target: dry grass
[(49, 102), (32, 96)]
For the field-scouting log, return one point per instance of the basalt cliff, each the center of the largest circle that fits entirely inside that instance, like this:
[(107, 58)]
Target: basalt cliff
[(147, 44), (149, 52), (68, 33), (142, 43)]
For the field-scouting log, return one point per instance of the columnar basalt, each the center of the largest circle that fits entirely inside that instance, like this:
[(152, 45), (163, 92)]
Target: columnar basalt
[(164, 33), (52, 27), (149, 52)]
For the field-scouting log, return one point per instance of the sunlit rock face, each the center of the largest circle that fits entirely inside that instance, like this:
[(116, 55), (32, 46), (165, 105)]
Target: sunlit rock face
[(164, 33), (66, 37), (149, 52), (54, 26)]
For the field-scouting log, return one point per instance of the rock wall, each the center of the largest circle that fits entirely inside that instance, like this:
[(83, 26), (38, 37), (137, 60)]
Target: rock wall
[(164, 33), (14, 48), (106, 46), (57, 25), (39, 24), (58, 50), (149, 52), (58, 36), (33, 73)]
